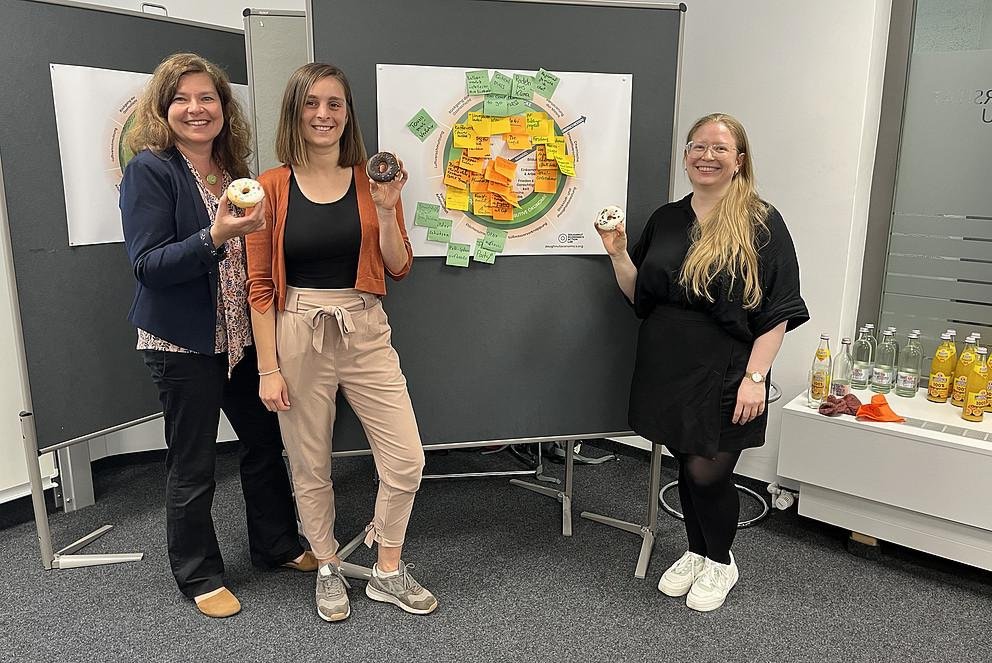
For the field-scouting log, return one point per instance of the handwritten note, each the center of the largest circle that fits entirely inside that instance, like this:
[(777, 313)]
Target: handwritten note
[(546, 83), (494, 240), (477, 82), (457, 254), (455, 198), (483, 254), (501, 84), (440, 232), (422, 125), (426, 215), (522, 87)]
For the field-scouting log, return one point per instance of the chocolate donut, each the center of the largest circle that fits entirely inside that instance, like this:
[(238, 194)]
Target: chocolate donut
[(382, 167)]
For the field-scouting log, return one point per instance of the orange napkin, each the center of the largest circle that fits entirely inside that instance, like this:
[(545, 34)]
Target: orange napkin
[(878, 410)]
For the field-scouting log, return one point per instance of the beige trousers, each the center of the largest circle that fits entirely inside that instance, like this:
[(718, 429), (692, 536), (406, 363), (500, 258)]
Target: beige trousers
[(340, 339)]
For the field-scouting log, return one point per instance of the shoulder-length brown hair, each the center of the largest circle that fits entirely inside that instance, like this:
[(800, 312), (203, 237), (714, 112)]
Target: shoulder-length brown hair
[(151, 130), (291, 149)]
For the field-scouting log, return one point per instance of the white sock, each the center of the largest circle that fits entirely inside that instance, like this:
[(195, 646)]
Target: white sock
[(384, 574)]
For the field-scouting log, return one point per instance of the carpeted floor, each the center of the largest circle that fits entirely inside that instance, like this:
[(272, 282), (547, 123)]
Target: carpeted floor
[(511, 588)]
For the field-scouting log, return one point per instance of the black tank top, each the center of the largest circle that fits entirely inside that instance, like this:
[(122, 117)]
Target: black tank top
[(322, 240)]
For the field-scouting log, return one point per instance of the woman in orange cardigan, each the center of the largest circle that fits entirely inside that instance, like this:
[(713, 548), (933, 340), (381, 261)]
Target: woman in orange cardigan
[(316, 276)]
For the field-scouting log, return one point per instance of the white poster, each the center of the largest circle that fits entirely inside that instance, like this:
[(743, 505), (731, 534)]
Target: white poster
[(93, 111), (520, 162)]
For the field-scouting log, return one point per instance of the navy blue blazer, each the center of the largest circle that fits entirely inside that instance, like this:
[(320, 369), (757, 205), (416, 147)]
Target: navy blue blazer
[(167, 241)]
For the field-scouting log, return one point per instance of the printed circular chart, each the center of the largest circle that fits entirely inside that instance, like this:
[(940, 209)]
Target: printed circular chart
[(533, 205)]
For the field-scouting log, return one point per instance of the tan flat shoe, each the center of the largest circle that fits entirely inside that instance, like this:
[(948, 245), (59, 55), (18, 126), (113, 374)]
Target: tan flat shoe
[(308, 563), (221, 604)]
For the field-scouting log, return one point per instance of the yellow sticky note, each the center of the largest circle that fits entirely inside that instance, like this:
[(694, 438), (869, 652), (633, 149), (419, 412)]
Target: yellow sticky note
[(551, 149), (535, 124), (464, 136), (456, 176), (482, 126), (540, 139), (546, 181), (500, 126), (482, 203), (543, 162), (548, 128), (472, 164), (482, 147), (502, 210), (474, 117), (477, 184), (518, 124), (517, 141), (456, 199), (566, 164), (505, 167)]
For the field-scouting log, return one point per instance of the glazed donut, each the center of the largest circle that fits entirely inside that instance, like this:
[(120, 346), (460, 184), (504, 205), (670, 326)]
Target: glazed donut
[(382, 167), (245, 192), (609, 218)]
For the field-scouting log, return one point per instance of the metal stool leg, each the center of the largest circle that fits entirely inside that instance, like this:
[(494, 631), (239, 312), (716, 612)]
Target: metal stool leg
[(672, 511)]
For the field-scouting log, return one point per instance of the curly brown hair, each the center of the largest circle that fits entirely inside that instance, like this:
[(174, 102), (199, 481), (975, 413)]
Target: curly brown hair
[(151, 130)]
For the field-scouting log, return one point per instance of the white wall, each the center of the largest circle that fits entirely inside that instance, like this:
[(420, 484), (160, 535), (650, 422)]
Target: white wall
[(805, 79)]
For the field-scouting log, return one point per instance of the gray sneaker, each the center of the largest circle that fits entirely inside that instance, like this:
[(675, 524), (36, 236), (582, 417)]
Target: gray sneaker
[(401, 590), (332, 597)]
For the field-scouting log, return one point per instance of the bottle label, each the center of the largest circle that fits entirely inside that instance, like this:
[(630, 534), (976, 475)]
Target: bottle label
[(822, 354), (960, 390), (839, 389), (943, 354), (975, 405), (938, 386), (818, 386), (881, 376), (859, 374), (906, 380)]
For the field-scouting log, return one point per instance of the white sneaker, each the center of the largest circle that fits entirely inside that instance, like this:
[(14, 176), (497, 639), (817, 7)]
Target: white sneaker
[(679, 577), (711, 587)]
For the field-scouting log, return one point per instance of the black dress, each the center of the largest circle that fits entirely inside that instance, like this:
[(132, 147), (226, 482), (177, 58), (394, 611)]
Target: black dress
[(691, 353)]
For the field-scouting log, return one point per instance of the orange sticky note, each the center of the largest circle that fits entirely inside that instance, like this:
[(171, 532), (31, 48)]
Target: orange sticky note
[(493, 176), (456, 199), (505, 167), (518, 124), (482, 203), (500, 126), (463, 136), (496, 187), (566, 164), (517, 141), (510, 197), (477, 183), (502, 210), (456, 176), (472, 164), (546, 181)]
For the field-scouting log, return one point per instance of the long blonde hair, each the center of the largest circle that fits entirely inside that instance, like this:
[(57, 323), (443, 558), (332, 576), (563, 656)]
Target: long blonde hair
[(291, 148), (726, 241), (151, 129)]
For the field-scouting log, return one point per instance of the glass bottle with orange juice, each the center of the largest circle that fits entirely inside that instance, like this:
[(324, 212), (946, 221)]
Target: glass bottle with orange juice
[(962, 373), (941, 371), (976, 398)]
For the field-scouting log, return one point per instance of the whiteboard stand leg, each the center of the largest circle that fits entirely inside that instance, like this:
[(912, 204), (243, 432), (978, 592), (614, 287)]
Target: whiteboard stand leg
[(348, 569), (563, 496), (648, 528), (63, 559)]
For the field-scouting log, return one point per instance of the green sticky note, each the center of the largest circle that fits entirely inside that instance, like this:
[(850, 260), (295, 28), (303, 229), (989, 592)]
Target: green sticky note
[(517, 107), (501, 84), (546, 83), (427, 215), (496, 105), (477, 82), (483, 254), (457, 255), (441, 232), (522, 87), (495, 240), (422, 125)]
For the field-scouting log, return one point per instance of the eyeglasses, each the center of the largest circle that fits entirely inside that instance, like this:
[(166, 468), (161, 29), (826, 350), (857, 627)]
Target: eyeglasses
[(718, 149)]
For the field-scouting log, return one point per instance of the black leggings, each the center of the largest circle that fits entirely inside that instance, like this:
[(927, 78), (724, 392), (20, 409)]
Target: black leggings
[(709, 502)]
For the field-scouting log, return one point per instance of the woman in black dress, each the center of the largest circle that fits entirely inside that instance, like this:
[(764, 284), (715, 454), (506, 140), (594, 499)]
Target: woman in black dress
[(715, 280)]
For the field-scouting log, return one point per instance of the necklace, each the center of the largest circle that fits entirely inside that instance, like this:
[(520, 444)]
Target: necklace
[(211, 179)]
